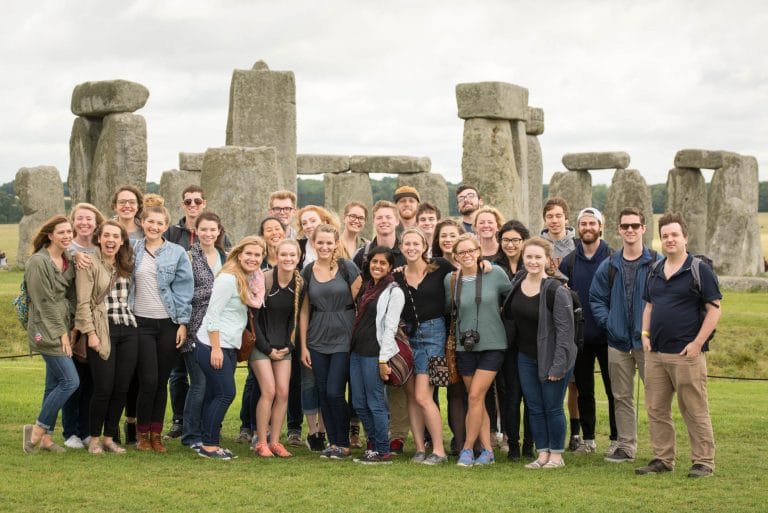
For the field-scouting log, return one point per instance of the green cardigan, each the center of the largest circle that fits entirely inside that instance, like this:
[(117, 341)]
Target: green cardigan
[(51, 294)]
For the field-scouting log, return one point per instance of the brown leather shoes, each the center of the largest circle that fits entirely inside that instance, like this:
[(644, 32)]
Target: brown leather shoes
[(142, 442), (156, 442)]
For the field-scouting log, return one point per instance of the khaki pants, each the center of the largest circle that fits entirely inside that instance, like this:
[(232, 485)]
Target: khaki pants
[(621, 368), (666, 374), (399, 423)]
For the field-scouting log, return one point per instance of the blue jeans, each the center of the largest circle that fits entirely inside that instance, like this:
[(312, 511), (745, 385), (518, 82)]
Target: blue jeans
[(219, 391), (427, 341), (61, 381), (545, 401), (75, 418), (310, 400), (370, 399), (178, 386), (331, 374), (191, 432)]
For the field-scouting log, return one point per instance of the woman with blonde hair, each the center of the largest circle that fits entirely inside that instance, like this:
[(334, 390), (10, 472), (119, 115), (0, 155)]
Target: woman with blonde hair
[(310, 217), (487, 222), (238, 286)]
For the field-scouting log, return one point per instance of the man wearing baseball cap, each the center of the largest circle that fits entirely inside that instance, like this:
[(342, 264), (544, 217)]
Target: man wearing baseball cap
[(407, 200), (580, 267)]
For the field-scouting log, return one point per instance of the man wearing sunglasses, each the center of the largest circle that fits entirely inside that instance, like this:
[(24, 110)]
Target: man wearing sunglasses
[(616, 298)]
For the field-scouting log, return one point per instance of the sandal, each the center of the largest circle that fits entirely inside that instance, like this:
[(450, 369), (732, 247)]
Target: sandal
[(113, 447), (95, 447), (54, 447), (536, 464), (554, 464)]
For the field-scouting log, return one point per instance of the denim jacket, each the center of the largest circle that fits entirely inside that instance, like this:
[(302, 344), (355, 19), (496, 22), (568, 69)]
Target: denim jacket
[(174, 279), (609, 307)]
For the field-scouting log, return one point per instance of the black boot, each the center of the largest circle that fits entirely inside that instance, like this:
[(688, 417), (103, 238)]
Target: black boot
[(130, 432), (514, 452)]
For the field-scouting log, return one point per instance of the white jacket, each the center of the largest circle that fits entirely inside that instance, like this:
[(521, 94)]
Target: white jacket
[(388, 308)]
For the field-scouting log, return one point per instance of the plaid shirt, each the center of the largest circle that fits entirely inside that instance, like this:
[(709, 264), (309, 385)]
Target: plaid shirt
[(118, 310)]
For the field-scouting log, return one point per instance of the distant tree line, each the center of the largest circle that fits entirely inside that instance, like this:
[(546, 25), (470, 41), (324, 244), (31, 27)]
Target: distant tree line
[(311, 193)]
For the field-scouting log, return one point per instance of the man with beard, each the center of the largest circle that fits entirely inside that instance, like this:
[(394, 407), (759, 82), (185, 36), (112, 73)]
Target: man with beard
[(580, 267), (407, 200), (468, 200)]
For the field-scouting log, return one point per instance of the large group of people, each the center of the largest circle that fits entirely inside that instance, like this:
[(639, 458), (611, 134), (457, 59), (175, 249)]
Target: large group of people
[(124, 307)]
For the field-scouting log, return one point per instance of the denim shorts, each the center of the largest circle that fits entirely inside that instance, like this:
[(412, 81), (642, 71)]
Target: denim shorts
[(428, 341), (468, 362)]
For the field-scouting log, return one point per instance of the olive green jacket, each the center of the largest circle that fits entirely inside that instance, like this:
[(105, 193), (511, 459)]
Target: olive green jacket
[(51, 294)]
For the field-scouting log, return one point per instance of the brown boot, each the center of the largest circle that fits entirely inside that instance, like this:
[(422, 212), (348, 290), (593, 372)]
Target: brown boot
[(156, 442), (142, 441)]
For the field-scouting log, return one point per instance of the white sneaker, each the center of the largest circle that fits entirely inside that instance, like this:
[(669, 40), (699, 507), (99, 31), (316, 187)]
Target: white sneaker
[(74, 442), (586, 447)]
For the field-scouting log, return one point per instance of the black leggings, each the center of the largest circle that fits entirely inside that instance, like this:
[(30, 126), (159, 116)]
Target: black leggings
[(157, 354), (584, 374), (111, 379)]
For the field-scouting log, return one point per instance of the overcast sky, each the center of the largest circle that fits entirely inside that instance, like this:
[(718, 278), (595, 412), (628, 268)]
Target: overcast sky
[(649, 78)]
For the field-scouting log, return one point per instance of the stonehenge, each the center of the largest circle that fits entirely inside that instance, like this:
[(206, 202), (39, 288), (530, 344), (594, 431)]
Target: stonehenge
[(575, 187), (628, 189), (42, 196)]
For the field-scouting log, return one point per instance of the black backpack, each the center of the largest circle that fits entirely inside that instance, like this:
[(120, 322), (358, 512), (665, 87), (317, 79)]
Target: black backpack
[(578, 313)]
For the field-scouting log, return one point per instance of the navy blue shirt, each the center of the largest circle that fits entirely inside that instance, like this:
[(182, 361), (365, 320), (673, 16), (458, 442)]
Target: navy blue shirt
[(677, 306)]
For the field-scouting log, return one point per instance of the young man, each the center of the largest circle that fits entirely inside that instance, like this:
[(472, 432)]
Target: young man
[(468, 200), (183, 233), (407, 200), (616, 299), (282, 205), (580, 266), (681, 313), (427, 217)]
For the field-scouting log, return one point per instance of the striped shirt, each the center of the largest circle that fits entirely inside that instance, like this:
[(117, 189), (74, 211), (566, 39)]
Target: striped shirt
[(148, 302)]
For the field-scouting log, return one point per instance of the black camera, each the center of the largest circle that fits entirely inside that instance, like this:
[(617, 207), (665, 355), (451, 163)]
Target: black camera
[(469, 339)]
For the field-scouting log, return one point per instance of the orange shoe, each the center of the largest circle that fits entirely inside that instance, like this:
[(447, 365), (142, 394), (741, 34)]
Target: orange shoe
[(279, 451), (262, 450), (156, 442), (143, 443)]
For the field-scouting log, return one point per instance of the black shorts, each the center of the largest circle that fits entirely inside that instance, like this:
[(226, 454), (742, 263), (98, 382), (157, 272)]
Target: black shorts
[(468, 362)]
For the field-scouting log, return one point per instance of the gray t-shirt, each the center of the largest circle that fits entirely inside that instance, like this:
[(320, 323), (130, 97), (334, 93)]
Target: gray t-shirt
[(332, 310), (630, 274)]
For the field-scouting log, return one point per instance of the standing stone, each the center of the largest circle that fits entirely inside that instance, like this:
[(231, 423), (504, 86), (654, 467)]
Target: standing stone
[(520, 149), (575, 187), (191, 161), (82, 147), (596, 160), (535, 184), (41, 194), (628, 189), (687, 194), (343, 188), (738, 178), (120, 158), (535, 123), (733, 245), (488, 163), (237, 183), (431, 186), (108, 97), (262, 112), (172, 184)]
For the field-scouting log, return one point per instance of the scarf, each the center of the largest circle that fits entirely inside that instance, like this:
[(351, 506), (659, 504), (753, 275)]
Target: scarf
[(368, 294), (256, 290)]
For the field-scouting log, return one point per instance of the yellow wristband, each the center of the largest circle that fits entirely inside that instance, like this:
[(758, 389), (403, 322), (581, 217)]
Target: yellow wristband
[(645, 333)]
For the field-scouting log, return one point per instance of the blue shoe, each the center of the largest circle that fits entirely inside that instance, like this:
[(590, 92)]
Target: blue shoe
[(326, 453), (466, 458), (485, 458)]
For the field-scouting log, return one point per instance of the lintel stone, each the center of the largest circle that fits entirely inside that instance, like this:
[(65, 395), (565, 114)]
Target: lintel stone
[(104, 97), (535, 123), (596, 160), (492, 100), (389, 164), (699, 159), (315, 164)]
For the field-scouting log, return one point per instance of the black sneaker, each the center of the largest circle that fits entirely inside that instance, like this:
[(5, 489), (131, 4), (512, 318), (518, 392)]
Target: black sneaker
[(528, 450), (175, 431), (574, 442), (699, 470), (655, 466), (619, 456), (130, 433), (316, 442), (514, 452)]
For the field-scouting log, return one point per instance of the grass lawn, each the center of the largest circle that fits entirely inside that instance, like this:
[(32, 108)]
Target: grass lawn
[(181, 481)]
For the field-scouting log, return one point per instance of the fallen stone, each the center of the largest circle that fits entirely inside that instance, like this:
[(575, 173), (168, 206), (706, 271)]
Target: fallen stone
[(492, 100), (535, 123), (734, 243), (342, 188), (41, 194), (191, 161), (262, 112), (431, 186), (535, 181), (687, 194), (82, 147), (488, 163), (575, 188), (313, 164), (743, 283), (389, 164), (699, 159), (108, 97), (120, 158), (596, 160), (172, 184), (237, 183), (628, 189)]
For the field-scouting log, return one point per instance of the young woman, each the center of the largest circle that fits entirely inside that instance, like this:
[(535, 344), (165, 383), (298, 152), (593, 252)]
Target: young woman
[(128, 204), (310, 217), (49, 275), (272, 231), (480, 340), (355, 214), (379, 305), (327, 315), (271, 358), (239, 285), (162, 303), (423, 280), (104, 316), (488, 220), (511, 237), (207, 258), (546, 350), (447, 233)]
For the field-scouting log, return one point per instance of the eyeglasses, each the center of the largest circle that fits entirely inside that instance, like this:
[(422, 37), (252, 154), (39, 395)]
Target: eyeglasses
[(197, 201), (353, 217), (514, 242), (123, 203), (282, 210), (627, 226), (466, 252), (466, 197)]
